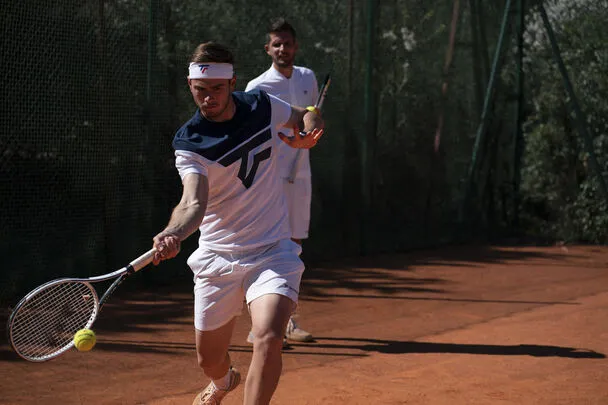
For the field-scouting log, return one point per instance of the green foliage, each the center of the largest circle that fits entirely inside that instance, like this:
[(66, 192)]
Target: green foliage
[(560, 191)]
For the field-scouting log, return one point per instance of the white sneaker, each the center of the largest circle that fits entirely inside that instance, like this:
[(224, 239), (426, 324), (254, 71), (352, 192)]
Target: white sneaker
[(294, 332), (213, 395)]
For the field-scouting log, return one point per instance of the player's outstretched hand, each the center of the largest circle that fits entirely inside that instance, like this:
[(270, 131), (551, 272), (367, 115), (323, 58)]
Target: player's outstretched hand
[(302, 140), (167, 246)]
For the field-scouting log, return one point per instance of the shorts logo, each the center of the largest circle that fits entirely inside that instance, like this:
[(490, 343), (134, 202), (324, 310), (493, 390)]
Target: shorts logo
[(244, 153), (287, 286)]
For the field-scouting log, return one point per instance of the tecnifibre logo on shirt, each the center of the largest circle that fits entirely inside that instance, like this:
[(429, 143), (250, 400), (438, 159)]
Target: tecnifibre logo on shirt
[(244, 152)]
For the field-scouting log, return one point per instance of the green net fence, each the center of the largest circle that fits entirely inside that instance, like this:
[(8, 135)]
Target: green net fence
[(93, 91)]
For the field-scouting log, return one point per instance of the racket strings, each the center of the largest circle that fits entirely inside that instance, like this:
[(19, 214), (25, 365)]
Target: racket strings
[(46, 323)]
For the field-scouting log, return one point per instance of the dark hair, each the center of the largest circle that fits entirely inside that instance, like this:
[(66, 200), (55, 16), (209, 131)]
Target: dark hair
[(280, 25), (212, 52)]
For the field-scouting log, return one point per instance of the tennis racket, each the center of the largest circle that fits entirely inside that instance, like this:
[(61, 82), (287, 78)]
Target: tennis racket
[(318, 105), (43, 324)]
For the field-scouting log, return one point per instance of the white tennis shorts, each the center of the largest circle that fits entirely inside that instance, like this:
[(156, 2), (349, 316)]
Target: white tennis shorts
[(222, 280), (298, 195)]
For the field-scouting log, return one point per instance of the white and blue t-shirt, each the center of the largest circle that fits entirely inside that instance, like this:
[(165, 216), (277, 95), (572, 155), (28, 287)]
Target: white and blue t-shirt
[(246, 207)]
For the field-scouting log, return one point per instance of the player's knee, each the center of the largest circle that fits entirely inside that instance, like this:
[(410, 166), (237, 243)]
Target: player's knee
[(268, 343), (210, 360)]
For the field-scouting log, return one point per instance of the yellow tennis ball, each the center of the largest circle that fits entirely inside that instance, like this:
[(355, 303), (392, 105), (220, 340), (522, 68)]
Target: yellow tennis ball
[(84, 340)]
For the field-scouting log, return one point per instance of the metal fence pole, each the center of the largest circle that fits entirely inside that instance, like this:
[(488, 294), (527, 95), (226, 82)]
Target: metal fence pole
[(485, 118), (369, 127)]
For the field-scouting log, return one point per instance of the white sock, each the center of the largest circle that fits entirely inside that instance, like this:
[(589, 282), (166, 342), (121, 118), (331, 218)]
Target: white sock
[(223, 383)]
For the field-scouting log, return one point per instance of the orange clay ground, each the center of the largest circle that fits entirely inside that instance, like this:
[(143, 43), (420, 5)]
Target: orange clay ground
[(452, 326)]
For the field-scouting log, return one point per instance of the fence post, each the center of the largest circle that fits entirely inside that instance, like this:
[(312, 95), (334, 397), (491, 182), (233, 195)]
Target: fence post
[(369, 128), (481, 130)]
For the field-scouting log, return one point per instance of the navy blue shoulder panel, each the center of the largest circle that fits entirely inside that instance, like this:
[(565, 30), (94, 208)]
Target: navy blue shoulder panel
[(212, 140)]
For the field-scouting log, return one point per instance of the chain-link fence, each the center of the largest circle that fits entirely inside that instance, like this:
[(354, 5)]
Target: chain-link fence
[(93, 92)]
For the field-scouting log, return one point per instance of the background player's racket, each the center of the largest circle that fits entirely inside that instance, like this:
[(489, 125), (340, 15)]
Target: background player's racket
[(318, 105), (43, 323)]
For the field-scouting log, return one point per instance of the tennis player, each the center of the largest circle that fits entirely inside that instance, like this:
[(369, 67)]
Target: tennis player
[(226, 156), (297, 86)]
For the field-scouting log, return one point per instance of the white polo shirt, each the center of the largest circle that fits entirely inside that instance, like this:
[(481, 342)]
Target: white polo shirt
[(301, 90)]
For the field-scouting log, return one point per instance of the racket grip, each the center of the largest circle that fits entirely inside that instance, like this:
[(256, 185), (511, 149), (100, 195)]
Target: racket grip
[(143, 260)]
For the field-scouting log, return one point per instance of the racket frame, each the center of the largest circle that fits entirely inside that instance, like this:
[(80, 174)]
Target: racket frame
[(120, 276)]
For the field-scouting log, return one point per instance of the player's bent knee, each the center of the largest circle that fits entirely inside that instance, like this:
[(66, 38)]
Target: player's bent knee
[(268, 343), (210, 360)]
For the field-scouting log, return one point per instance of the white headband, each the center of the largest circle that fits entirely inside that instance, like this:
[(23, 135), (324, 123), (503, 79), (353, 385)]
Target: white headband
[(210, 70)]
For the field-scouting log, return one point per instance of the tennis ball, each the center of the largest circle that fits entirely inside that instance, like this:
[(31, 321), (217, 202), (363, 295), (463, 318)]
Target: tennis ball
[(84, 340)]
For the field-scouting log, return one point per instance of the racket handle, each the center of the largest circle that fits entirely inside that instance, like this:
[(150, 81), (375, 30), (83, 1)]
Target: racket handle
[(143, 260)]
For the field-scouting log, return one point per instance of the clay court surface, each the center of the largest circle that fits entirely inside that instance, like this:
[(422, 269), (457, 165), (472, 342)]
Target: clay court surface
[(453, 326)]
